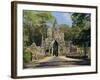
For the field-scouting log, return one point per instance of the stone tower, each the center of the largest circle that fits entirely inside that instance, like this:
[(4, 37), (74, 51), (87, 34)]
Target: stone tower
[(55, 35)]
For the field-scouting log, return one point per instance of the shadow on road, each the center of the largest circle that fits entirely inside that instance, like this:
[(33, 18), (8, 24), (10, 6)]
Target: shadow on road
[(59, 63)]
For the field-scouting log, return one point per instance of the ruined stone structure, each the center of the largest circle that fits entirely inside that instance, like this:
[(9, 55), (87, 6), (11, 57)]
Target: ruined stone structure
[(54, 43)]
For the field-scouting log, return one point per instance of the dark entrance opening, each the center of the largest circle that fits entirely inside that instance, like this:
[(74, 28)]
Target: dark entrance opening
[(55, 48)]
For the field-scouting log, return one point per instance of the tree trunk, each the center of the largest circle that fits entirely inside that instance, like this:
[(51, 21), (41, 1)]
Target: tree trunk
[(85, 50)]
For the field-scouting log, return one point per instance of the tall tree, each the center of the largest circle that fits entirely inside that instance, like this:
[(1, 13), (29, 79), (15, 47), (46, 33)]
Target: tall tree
[(36, 23), (83, 35), (45, 18), (67, 32), (80, 19), (34, 27)]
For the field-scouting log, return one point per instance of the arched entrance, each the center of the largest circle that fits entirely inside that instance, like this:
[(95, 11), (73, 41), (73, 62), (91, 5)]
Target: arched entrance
[(55, 48)]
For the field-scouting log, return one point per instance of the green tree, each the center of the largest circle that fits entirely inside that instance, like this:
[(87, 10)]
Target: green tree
[(35, 25), (82, 37), (67, 32), (80, 19), (45, 18)]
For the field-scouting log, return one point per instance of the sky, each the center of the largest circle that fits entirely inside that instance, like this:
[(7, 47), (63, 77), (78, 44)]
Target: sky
[(63, 18)]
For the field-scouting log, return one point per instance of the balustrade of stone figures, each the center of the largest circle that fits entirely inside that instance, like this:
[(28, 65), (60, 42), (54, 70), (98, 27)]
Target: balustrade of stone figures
[(36, 52)]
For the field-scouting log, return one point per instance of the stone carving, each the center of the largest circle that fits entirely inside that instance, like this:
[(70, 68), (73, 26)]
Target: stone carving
[(36, 52), (54, 34), (54, 44)]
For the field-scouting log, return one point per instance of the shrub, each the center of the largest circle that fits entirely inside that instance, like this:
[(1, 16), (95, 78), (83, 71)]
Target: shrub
[(27, 57)]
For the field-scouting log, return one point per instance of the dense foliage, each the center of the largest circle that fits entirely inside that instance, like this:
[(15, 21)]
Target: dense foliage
[(82, 37), (35, 27)]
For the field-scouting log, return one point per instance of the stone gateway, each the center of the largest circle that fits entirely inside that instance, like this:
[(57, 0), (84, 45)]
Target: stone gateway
[(54, 43)]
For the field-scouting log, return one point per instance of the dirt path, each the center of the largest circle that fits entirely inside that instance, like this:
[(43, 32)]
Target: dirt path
[(60, 61), (59, 58)]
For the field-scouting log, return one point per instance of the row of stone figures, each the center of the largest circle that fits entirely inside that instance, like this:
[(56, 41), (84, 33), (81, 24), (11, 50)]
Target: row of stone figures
[(53, 50), (56, 50), (34, 50)]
